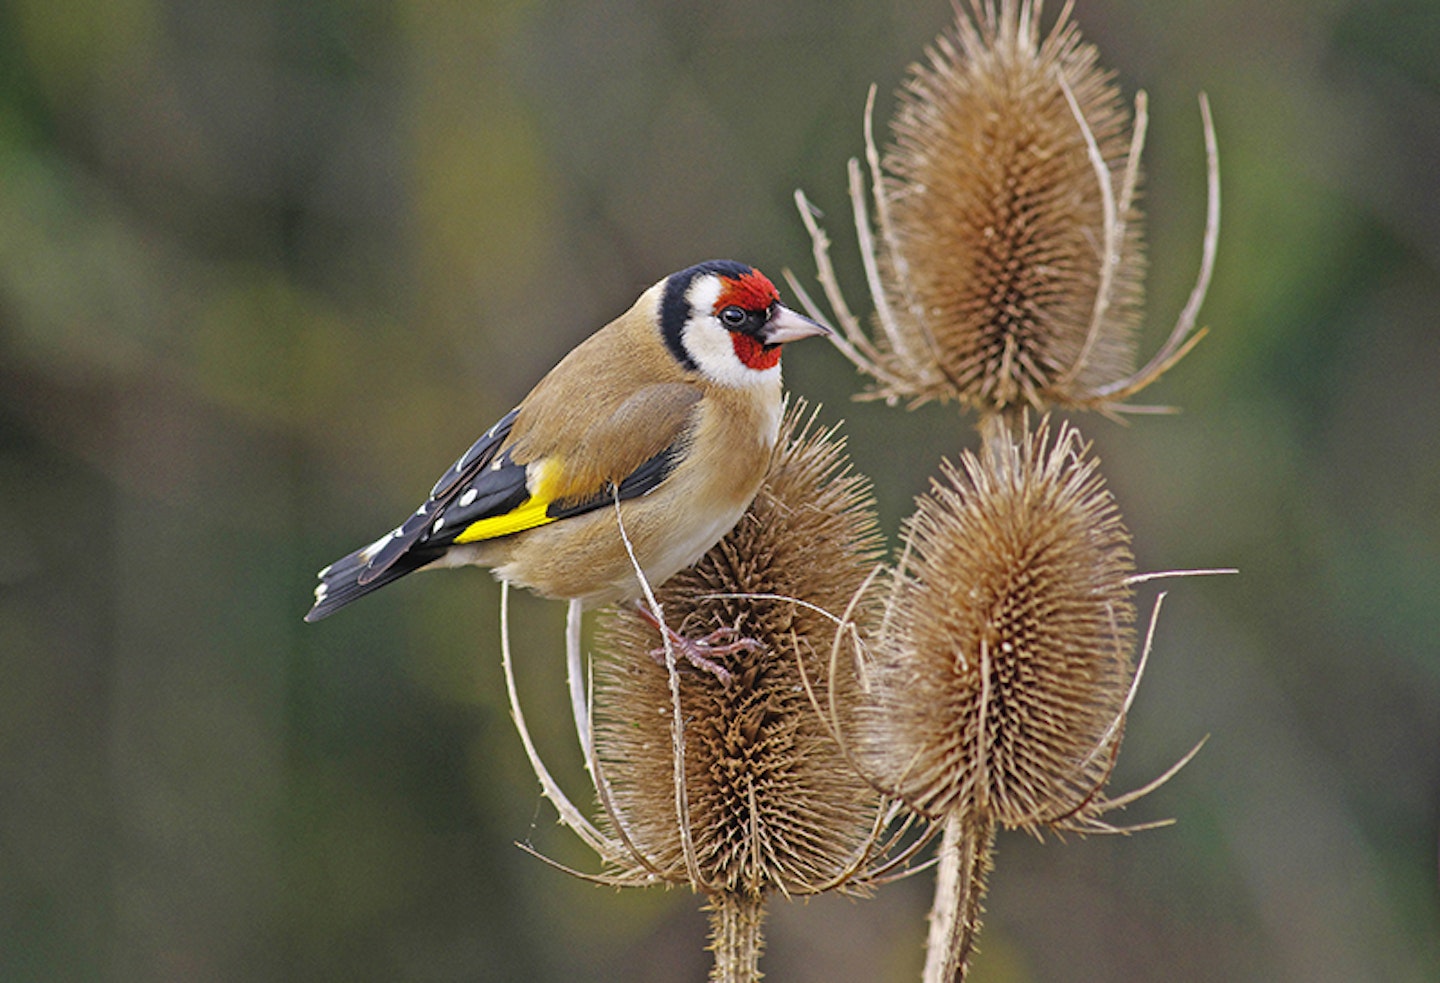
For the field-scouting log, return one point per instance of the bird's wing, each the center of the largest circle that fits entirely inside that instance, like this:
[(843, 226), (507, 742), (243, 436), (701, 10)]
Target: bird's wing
[(627, 451), (487, 493), (399, 551)]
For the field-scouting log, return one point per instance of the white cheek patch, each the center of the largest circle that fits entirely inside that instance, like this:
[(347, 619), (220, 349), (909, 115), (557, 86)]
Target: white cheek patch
[(704, 292), (710, 346)]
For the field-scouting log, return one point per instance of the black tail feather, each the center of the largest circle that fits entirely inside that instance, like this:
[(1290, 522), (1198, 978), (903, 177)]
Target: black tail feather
[(340, 582)]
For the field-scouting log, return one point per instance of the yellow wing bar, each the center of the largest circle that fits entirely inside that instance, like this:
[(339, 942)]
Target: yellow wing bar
[(544, 476), (527, 515)]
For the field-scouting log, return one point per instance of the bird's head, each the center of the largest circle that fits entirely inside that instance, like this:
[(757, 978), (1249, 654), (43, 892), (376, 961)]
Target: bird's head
[(724, 320)]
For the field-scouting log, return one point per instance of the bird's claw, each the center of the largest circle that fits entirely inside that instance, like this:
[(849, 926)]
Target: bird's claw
[(701, 653)]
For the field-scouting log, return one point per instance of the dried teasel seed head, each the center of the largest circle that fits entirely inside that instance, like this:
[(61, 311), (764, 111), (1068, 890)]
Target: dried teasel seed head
[(1003, 666), (1005, 275), (1006, 288), (772, 801)]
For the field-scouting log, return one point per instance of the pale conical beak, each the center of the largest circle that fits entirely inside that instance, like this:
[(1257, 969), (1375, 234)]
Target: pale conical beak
[(785, 325)]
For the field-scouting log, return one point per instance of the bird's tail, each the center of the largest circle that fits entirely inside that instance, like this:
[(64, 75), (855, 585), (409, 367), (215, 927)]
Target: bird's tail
[(340, 581)]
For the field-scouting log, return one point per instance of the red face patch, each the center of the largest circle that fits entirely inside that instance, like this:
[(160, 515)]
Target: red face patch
[(750, 291), (753, 354)]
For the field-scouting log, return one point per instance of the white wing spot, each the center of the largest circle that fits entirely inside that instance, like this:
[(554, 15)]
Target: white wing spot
[(497, 464), (438, 523), (468, 497), (368, 553)]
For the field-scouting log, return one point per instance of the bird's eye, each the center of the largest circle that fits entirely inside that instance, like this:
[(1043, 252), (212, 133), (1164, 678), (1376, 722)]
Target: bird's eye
[(733, 316)]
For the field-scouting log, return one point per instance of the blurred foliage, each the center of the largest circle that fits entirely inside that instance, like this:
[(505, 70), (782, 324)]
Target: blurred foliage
[(264, 267)]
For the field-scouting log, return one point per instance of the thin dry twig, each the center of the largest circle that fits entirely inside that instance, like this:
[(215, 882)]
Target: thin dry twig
[(1112, 226), (677, 724), (569, 815), (1181, 339)]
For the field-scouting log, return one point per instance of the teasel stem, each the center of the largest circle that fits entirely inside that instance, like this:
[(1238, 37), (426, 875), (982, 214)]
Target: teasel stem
[(736, 936), (966, 857)]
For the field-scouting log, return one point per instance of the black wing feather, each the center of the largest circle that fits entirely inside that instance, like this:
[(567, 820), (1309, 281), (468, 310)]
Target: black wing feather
[(499, 485), (498, 489), (470, 464), (476, 457), (403, 550), (343, 586), (641, 481)]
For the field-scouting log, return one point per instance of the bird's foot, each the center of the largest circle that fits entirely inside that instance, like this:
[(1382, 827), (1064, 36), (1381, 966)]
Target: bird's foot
[(701, 653)]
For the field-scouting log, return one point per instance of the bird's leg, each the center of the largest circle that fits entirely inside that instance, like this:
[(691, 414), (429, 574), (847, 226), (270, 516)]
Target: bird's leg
[(700, 652)]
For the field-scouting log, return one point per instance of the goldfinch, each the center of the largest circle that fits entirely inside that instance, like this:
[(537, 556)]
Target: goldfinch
[(673, 408)]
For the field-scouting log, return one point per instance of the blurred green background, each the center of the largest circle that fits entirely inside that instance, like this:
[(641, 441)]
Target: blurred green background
[(266, 267)]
